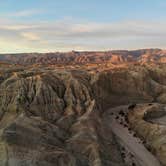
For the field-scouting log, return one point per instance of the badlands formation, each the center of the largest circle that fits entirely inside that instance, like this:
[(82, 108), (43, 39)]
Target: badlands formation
[(83, 109)]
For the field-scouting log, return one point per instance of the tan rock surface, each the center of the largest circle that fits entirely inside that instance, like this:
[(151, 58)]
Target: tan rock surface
[(51, 116)]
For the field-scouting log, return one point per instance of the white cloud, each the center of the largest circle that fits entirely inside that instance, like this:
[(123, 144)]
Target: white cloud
[(30, 36), (16, 27), (23, 13), (74, 35)]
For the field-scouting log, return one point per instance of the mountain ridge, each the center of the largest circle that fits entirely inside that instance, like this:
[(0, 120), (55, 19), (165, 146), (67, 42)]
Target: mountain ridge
[(86, 57)]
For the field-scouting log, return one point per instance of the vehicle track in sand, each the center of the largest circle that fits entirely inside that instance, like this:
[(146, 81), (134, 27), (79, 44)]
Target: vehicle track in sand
[(142, 155)]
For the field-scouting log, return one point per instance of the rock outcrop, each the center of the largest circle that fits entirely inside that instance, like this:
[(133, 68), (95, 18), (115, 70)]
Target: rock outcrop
[(147, 120), (55, 117), (131, 85), (75, 57), (50, 118)]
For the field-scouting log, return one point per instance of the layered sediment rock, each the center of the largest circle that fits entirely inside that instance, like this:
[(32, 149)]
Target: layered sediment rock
[(131, 85), (54, 117), (75, 57), (50, 118), (145, 120)]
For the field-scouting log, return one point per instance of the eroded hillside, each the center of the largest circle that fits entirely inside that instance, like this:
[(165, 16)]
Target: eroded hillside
[(51, 116), (87, 57)]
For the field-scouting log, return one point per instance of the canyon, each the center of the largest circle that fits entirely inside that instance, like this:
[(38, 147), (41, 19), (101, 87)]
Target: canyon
[(83, 108)]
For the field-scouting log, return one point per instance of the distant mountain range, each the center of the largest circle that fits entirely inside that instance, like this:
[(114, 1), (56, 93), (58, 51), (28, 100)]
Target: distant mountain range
[(85, 57)]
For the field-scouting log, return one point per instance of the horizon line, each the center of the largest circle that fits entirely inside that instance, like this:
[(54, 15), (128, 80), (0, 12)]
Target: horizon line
[(107, 50)]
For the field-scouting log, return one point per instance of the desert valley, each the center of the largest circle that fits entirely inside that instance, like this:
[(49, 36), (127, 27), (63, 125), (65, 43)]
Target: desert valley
[(83, 108)]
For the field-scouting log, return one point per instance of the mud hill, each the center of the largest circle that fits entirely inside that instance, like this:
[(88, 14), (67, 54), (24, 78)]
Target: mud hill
[(71, 117)]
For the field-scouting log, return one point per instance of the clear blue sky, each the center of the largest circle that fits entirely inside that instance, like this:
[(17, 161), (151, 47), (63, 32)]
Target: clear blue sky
[(51, 25), (92, 10)]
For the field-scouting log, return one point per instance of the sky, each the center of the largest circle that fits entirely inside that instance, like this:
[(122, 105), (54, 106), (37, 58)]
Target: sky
[(65, 25)]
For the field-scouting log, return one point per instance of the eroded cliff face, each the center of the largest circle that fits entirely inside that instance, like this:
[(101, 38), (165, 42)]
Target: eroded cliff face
[(131, 85), (51, 118), (54, 117), (88, 57), (149, 121)]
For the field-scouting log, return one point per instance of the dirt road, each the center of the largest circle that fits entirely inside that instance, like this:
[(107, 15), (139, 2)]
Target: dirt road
[(143, 156)]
